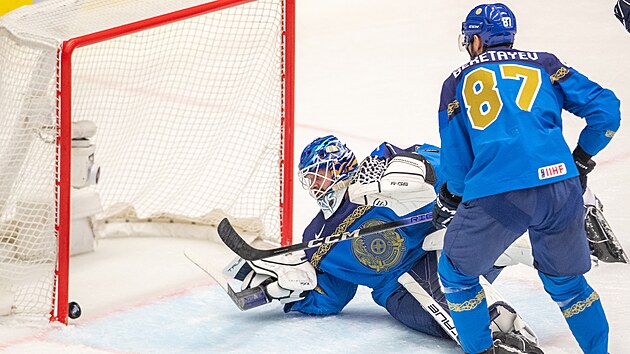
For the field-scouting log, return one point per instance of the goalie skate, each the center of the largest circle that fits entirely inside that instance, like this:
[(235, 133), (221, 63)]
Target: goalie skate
[(602, 241)]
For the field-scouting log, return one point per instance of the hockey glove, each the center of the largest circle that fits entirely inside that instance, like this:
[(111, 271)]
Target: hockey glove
[(445, 207), (286, 278), (584, 165), (403, 183), (622, 12)]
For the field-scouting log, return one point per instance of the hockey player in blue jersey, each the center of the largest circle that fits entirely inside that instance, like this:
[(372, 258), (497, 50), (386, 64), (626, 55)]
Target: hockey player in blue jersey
[(400, 266), (373, 261), (508, 169)]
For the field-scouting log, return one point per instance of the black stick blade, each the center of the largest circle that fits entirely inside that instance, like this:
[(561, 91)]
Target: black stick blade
[(235, 242)]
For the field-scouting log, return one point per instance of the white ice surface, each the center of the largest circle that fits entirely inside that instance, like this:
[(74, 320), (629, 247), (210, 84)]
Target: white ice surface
[(367, 71)]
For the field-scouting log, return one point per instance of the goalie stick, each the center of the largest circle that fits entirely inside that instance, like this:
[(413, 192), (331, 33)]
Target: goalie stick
[(244, 300), (429, 304), (235, 242), (507, 322)]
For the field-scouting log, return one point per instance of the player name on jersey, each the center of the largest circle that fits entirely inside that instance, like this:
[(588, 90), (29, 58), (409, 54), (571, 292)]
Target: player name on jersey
[(497, 55)]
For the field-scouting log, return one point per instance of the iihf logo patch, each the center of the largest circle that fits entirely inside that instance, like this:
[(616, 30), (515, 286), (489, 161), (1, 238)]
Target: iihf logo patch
[(552, 171)]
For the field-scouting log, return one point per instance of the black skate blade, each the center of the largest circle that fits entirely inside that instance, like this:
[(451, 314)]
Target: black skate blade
[(601, 239)]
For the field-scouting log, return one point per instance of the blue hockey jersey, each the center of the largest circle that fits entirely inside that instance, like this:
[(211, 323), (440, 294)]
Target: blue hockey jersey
[(500, 121), (375, 261)]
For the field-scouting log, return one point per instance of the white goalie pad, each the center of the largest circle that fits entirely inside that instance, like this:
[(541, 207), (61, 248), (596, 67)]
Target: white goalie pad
[(503, 317), (434, 241), (519, 252), (398, 184)]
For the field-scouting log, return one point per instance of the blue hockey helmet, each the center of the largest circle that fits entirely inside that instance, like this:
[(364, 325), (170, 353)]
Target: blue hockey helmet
[(494, 23), (323, 163)]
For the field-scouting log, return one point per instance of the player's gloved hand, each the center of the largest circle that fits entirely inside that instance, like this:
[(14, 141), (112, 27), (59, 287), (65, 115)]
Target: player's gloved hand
[(271, 288), (285, 296), (287, 277), (445, 207), (584, 164)]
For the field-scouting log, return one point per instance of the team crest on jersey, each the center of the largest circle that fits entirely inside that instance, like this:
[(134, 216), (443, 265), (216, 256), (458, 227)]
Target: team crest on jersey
[(558, 169), (380, 252)]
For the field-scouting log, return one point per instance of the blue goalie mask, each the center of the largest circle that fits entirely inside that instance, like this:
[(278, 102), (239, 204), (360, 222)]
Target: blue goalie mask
[(324, 164), (495, 24)]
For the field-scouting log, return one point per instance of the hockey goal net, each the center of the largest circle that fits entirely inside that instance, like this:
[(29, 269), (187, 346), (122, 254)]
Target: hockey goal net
[(192, 105)]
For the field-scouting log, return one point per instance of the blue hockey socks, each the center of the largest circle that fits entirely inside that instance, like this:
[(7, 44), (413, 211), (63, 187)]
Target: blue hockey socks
[(582, 310), (468, 307)]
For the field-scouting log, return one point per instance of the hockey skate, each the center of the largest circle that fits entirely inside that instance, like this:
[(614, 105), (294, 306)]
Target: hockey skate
[(511, 343), (602, 241)]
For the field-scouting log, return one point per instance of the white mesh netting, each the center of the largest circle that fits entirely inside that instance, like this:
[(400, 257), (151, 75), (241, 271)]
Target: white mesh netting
[(189, 122)]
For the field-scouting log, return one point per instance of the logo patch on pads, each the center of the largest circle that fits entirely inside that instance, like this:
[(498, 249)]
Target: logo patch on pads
[(552, 171)]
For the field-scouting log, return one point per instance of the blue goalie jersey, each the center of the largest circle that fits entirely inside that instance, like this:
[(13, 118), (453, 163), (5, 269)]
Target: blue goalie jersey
[(375, 261), (507, 100)]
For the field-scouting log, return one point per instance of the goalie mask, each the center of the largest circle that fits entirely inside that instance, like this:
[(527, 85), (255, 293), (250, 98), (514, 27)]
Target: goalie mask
[(325, 166)]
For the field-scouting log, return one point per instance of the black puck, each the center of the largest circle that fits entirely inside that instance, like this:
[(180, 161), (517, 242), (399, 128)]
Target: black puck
[(74, 310)]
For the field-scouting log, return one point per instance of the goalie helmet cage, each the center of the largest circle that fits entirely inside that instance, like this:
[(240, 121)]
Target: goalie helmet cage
[(193, 103)]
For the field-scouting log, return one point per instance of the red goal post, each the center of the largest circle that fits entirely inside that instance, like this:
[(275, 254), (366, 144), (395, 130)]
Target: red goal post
[(192, 102)]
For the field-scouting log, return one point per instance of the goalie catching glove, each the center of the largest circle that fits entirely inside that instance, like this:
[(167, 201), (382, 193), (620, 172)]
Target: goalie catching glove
[(403, 183), (287, 278)]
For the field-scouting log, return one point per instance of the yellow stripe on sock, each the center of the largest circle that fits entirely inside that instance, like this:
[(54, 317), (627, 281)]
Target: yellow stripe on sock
[(468, 304), (580, 306)]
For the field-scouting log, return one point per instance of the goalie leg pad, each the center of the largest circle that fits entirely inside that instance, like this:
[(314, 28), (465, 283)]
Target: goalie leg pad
[(503, 317), (520, 251)]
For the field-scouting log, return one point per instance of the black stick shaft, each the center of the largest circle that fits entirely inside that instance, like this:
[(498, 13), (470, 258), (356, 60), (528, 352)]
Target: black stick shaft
[(235, 242)]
